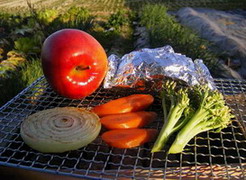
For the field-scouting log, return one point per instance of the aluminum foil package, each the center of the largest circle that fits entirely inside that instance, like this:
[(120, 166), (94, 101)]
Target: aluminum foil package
[(149, 65)]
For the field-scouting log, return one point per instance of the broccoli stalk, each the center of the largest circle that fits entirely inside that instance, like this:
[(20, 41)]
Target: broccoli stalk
[(212, 113), (175, 118)]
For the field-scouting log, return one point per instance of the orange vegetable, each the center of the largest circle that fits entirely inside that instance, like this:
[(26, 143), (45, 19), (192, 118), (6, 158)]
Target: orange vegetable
[(132, 103), (128, 138), (128, 120)]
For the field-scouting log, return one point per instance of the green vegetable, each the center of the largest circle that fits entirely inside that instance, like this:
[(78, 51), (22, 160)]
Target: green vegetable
[(175, 118), (192, 111), (211, 114)]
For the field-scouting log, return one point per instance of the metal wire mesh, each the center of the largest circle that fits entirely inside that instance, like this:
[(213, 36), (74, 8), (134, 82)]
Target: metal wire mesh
[(208, 155)]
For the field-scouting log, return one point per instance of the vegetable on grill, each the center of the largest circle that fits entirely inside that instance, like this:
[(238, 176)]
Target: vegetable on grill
[(128, 138), (128, 120), (174, 117), (60, 129), (211, 114), (192, 111), (131, 103)]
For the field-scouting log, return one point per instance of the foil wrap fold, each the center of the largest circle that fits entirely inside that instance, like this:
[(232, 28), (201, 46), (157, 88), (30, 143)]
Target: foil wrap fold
[(149, 65)]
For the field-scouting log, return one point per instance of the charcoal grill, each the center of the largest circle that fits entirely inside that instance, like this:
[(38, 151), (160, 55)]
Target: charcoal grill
[(209, 155)]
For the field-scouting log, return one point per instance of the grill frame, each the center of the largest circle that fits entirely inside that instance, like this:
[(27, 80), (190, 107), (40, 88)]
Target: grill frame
[(209, 155)]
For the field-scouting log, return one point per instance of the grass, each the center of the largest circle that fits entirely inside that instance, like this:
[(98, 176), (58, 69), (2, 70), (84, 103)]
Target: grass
[(19, 79), (104, 8), (164, 30)]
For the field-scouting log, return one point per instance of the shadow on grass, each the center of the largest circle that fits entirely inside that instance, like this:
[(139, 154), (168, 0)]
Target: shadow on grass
[(19, 79)]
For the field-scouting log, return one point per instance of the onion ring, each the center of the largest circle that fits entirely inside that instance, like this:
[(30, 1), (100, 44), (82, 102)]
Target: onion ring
[(60, 129)]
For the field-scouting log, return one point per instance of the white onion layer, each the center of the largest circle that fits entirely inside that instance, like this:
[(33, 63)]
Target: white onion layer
[(60, 129)]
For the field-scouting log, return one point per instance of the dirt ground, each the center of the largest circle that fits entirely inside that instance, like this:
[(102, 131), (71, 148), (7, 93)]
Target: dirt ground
[(21, 3), (98, 7), (16, 4)]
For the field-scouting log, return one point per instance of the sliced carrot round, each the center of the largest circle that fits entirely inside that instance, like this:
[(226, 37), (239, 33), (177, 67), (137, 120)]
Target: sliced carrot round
[(128, 138), (132, 103), (128, 120)]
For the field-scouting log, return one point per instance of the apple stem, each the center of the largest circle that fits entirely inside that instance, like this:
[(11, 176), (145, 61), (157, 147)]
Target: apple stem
[(82, 68)]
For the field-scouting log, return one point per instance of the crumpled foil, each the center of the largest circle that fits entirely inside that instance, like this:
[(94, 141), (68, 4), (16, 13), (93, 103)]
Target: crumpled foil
[(150, 64)]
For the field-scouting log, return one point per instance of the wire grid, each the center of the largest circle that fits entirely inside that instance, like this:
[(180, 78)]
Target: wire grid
[(208, 155)]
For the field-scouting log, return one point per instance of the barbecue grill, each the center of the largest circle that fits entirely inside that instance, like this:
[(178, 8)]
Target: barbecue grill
[(209, 155)]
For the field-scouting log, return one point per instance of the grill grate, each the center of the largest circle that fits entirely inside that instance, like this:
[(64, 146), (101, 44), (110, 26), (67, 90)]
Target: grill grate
[(216, 155)]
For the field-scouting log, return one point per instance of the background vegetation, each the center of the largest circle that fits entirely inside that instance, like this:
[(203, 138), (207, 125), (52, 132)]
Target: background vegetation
[(163, 28), (24, 25), (23, 34)]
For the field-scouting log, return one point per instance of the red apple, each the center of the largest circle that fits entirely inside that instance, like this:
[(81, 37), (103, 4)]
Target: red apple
[(74, 63)]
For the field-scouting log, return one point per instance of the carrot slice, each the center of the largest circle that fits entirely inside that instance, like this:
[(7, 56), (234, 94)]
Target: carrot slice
[(128, 138), (132, 103), (128, 120)]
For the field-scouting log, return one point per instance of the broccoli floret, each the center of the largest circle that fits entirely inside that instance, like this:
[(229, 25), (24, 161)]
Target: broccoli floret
[(175, 103), (211, 114)]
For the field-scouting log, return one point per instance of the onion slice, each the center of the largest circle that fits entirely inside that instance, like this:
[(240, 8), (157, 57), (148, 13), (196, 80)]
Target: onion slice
[(60, 129)]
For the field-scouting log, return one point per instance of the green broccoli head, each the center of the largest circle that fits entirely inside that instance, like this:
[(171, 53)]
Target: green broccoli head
[(211, 113)]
